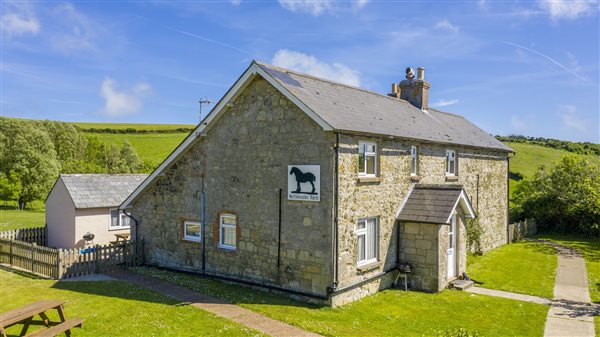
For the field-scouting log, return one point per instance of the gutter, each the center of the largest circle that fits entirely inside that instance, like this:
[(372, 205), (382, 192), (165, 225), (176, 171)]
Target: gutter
[(336, 274), (507, 197), (136, 228)]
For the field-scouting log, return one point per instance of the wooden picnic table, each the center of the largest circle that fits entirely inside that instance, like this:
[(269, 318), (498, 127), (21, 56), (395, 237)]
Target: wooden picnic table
[(25, 315)]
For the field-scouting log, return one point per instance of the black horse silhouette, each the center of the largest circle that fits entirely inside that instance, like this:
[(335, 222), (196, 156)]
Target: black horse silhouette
[(303, 178)]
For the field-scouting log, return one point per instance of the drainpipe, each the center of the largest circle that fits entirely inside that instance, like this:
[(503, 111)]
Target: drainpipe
[(336, 275), (507, 197), (136, 229), (279, 235), (203, 226)]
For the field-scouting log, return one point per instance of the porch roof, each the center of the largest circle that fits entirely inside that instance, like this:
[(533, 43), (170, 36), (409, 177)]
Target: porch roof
[(434, 204)]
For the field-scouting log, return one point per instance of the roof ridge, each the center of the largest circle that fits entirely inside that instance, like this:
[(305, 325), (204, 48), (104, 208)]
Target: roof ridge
[(333, 82)]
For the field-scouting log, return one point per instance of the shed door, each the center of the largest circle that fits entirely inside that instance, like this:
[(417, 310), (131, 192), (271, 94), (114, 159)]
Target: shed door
[(452, 248)]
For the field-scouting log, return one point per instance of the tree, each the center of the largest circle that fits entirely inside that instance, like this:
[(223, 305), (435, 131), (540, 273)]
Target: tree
[(28, 162), (565, 198), (130, 158)]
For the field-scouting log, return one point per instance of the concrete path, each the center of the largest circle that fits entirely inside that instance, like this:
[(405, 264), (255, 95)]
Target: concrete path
[(571, 312), (232, 312), (506, 294)]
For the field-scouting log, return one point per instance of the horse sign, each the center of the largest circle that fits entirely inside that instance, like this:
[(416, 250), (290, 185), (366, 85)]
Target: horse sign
[(304, 182)]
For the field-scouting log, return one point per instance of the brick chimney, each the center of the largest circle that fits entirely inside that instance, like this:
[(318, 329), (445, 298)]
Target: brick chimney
[(415, 91)]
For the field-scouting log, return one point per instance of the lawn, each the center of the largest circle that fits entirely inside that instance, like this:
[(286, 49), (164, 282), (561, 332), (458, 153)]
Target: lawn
[(524, 267), (115, 308), (387, 313), (154, 147), (11, 218)]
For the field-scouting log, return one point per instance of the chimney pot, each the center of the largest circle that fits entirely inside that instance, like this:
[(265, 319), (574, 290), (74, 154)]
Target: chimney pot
[(421, 73)]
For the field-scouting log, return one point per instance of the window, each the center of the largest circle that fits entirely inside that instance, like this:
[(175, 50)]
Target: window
[(118, 219), (450, 162), (414, 161), (191, 231), (367, 159), (368, 242), (227, 231)]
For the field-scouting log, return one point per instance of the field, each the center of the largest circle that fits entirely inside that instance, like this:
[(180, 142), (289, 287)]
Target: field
[(153, 147), (123, 126)]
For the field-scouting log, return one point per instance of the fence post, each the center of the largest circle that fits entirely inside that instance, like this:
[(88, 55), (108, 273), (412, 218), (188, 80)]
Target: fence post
[(32, 258), (10, 245)]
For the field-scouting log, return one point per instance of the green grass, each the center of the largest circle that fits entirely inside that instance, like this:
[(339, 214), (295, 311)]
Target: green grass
[(387, 313), (114, 308), (154, 147), (590, 248), (11, 218), (122, 126), (523, 267)]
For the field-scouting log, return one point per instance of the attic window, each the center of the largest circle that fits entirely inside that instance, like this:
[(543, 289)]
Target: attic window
[(414, 160), (367, 159)]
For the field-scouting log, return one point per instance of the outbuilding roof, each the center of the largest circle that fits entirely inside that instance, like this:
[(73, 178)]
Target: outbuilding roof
[(348, 108), (434, 204), (100, 190)]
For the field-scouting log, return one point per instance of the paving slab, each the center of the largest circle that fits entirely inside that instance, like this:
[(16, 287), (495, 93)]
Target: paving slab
[(506, 294), (216, 306)]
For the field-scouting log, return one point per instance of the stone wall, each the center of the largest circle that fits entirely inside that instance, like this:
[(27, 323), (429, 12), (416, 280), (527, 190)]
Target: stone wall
[(482, 173), (244, 160), (420, 244)]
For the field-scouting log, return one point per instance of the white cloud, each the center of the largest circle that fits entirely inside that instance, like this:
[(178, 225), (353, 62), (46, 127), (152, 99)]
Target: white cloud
[(446, 25), (318, 7), (568, 9), (73, 30), (443, 103), (573, 62), (311, 65), (122, 102), (18, 19), (235, 2), (569, 118)]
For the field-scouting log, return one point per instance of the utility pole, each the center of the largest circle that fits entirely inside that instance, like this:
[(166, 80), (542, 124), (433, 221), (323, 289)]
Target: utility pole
[(203, 101)]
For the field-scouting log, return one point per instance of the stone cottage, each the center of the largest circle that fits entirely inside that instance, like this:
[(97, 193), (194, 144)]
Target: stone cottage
[(321, 190)]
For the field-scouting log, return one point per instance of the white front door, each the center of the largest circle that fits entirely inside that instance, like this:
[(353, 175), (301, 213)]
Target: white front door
[(452, 248)]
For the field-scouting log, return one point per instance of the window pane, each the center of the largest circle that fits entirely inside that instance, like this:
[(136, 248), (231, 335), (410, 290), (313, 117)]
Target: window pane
[(192, 229), (228, 236), (124, 220), (114, 218), (228, 220), (361, 148), (361, 224), (361, 163), (370, 165), (451, 164), (372, 237), (413, 166), (451, 238), (361, 248), (370, 148)]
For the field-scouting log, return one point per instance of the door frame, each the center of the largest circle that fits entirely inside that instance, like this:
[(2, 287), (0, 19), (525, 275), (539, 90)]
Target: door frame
[(452, 258)]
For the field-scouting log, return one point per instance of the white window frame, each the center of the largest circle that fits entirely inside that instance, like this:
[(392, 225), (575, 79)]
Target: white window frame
[(363, 145), (191, 237), (414, 160), (121, 218), (223, 226), (369, 242), (453, 161)]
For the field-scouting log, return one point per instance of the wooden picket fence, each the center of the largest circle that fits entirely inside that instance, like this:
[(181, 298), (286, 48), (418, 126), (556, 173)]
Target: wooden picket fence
[(65, 263), (37, 235)]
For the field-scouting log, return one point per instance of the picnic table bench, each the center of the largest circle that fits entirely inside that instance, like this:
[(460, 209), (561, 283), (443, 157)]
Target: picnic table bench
[(25, 314)]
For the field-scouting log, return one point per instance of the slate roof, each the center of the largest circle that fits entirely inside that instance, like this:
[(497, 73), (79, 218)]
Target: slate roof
[(100, 190), (430, 203), (348, 108)]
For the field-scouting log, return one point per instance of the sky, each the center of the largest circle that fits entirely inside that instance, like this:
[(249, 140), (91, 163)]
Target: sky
[(511, 67)]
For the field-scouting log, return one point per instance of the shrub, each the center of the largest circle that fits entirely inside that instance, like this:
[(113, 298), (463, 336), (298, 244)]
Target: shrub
[(564, 199)]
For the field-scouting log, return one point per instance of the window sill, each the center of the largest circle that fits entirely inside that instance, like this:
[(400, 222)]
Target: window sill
[(193, 242), (369, 179), (451, 178), (369, 266), (415, 178), (228, 248), (112, 229)]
